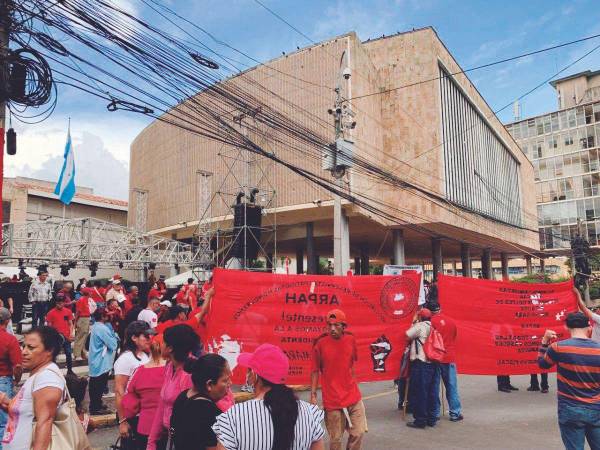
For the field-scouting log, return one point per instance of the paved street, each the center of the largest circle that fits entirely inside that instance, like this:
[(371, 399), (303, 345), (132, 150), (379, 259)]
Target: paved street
[(493, 420)]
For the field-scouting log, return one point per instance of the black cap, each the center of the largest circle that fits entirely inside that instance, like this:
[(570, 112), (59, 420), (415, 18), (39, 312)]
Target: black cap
[(577, 320), (138, 327), (433, 307)]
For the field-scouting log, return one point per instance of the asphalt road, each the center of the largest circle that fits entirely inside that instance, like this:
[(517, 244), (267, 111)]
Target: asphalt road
[(493, 420)]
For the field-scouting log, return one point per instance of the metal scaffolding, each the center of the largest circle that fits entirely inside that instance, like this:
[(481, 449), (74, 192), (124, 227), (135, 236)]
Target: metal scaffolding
[(247, 175), (141, 209), (87, 240)]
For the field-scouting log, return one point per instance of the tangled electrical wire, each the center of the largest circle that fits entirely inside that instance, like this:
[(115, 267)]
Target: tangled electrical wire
[(135, 66)]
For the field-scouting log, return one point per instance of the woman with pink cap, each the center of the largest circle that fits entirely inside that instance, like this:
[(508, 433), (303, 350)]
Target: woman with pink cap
[(275, 419)]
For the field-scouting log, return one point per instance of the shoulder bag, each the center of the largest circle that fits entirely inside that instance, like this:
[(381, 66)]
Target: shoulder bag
[(67, 431)]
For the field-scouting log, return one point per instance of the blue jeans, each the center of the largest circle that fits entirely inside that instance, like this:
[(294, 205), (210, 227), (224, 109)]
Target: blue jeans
[(66, 346), (447, 373), (423, 393), (6, 386), (38, 313), (578, 423)]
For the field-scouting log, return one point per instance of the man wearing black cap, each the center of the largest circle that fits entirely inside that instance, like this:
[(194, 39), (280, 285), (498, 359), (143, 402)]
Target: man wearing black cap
[(578, 381)]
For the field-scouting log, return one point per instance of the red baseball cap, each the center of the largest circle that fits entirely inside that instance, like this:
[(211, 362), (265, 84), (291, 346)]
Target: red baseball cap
[(268, 361), (424, 314), (336, 316)]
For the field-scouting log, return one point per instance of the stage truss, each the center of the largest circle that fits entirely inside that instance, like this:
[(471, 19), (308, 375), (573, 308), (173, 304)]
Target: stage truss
[(245, 172), (87, 240)]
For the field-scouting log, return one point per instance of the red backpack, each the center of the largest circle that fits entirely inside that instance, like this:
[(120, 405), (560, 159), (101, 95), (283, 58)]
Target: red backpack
[(434, 346)]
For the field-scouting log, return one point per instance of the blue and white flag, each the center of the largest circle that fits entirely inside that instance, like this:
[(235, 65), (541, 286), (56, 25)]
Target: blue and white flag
[(65, 188)]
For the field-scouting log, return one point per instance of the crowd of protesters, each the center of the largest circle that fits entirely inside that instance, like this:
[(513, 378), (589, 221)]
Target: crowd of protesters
[(170, 394)]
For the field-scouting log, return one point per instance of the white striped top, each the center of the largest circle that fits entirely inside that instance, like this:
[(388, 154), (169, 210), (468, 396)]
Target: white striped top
[(248, 426)]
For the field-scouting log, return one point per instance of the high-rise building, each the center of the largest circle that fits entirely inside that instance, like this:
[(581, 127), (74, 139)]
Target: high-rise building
[(564, 148)]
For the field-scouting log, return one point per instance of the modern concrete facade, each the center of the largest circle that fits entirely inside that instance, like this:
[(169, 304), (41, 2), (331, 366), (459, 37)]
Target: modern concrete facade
[(564, 148), (414, 118)]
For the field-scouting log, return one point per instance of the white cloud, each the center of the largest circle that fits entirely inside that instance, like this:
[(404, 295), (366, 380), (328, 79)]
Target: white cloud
[(101, 151)]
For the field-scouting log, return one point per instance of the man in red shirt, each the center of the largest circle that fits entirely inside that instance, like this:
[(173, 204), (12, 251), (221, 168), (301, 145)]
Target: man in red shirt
[(334, 355), (447, 368), (82, 325), (10, 363), (131, 299), (61, 319)]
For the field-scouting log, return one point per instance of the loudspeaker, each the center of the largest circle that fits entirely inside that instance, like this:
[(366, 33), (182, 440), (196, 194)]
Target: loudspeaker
[(246, 237)]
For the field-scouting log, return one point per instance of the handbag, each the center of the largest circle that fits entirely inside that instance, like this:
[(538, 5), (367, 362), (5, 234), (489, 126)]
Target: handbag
[(67, 430)]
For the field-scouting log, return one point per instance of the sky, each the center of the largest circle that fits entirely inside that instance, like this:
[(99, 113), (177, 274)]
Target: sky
[(475, 31)]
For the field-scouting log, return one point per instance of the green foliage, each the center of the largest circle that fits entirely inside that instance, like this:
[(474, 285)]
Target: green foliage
[(539, 278), (375, 270)]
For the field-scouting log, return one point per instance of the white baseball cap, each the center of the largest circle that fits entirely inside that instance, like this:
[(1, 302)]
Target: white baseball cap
[(166, 303)]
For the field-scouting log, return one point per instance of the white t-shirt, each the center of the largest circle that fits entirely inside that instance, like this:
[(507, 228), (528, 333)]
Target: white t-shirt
[(127, 363), (149, 317), (248, 426), (596, 327), (17, 435)]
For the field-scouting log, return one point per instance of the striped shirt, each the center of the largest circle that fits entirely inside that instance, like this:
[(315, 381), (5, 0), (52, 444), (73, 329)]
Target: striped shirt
[(248, 426), (578, 374)]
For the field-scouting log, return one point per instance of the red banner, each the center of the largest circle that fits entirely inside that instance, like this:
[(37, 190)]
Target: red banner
[(501, 324), (250, 309)]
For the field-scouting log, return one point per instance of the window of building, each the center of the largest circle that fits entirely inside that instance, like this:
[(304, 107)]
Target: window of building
[(596, 109), (580, 116), (480, 169), (568, 139), (572, 118), (554, 122), (539, 123), (562, 118), (593, 157), (589, 114)]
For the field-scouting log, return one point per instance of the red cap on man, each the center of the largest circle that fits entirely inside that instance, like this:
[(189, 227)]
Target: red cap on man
[(336, 316), (424, 313)]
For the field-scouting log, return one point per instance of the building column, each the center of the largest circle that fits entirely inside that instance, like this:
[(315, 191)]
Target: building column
[(543, 266), (357, 265), (341, 244), (398, 247), (364, 260), (504, 262), (486, 264), (528, 265), (436, 257), (311, 258), (299, 260), (454, 270), (465, 259)]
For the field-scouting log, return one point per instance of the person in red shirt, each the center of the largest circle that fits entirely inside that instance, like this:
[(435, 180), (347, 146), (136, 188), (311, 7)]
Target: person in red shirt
[(154, 292), (61, 319), (131, 299), (333, 357), (82, 325), (11, 367), (446, 369), (95, 293), (115, 317)]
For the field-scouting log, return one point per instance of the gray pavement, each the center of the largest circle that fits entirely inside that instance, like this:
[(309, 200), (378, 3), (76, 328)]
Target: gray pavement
[(493, 420)]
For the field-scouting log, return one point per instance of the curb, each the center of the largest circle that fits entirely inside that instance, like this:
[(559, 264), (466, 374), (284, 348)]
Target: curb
[(110, 420)]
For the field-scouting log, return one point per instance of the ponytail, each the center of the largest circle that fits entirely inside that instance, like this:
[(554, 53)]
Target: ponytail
[(282, 403)]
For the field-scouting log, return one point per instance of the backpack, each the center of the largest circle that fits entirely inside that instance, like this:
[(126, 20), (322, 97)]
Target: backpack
[(434, 346)]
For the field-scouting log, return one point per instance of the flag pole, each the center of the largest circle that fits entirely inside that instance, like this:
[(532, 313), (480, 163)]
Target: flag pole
[(68, 132)]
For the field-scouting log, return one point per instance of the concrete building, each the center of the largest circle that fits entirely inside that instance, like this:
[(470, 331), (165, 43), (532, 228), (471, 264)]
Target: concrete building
[(563, 147), (413, 118), (27, 199)]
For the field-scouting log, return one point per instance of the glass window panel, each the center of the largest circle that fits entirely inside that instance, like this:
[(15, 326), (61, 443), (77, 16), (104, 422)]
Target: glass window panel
[(585, 162), (595, 183), (562, 116), (580, 116), (587, 185), (554, 121), (539, 123), (588, 114), (578, 186), (558, 166), (593, 157)]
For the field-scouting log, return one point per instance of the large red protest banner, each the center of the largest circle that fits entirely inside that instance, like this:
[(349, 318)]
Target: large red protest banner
[(289, 311), (501, 324)]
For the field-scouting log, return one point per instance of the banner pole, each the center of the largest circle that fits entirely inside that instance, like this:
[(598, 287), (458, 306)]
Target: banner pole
[(443, 396), (405, 402)]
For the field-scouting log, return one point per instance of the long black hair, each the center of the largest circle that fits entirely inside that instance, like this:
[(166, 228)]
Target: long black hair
[(282, 403), (208, 367), (183, 341)]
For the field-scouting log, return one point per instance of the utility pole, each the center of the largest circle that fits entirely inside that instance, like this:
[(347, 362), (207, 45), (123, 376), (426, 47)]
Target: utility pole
[(580, 263), (340, 160), (4, 32)]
